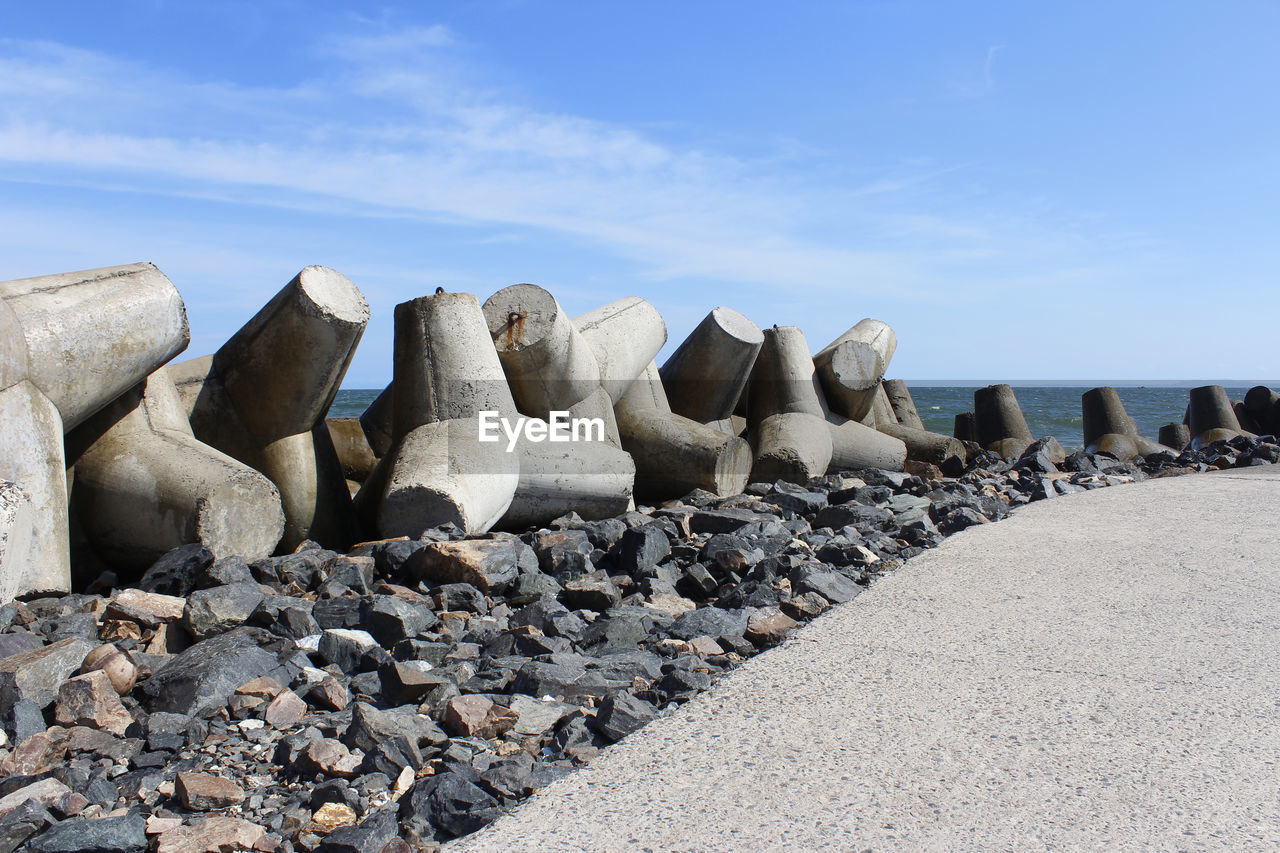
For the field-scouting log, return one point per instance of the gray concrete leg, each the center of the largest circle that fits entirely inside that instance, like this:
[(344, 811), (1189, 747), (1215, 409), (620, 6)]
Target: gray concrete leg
[(705, 377), (855, 446), (783, 378), (998, 419), (904, 408), (791, 446), (1258, 400), (31, 455), (882, 410), (279, 375), (549, 365), (673, 454), (376, 421), (354, 453), (1121, 445), (17, 527), (923, 446), (147, 485), (593, 479), (850, 367), (624, 336), (442, 473), (1248, 422), (1175, 435), (92, 335), (964, 427), (1210, 409)]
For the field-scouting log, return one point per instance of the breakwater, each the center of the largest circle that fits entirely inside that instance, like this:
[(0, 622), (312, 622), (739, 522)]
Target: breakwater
[(241, 622)]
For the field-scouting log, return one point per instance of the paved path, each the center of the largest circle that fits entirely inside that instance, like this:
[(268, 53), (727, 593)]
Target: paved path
[(1095, 672)]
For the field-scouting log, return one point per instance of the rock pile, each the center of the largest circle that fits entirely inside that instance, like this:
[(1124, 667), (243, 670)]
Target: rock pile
[(409, 691)]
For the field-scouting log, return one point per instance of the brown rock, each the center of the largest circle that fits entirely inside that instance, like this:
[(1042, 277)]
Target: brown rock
[(705, 646), (204, 792), (119, 629), (91, 700), (330, 694), (146, 608), (330, 816), (804, 606), (37, 753), (285, 710), (328, 757), (487, 564), (264, 687), (218, 834), (475, 716), (768, 626), (49, 793), (122, 672), (37, 674)]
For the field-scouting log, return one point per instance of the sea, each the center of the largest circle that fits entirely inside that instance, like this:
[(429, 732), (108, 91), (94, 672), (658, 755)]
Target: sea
[(1050, 409)]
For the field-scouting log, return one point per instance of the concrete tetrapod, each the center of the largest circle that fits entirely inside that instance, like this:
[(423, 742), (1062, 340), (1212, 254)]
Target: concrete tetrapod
[(1109, 429), (147, 485), (263, 396), (964, 427), (673, 454), (1175, 435), (904, 408), (706, 375), (592, 478), (444, 474), (624, 336), (855, 446), (549, 365), (352, 446), (446, 375), (376, 421), (1264, 405), (998, 421), (923, 446), (1211, 416), (851, 367), (787, 418), (1245, 418), (69, 344)]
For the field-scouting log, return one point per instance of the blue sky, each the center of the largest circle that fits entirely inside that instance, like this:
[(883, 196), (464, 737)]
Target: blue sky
[(1022, 190)]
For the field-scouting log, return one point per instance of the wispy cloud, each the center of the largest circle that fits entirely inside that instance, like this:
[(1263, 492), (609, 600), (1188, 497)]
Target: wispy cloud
[(396, 126)]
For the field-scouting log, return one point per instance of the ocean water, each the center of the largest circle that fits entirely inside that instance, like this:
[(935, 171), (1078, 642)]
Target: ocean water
[(1050, 410)]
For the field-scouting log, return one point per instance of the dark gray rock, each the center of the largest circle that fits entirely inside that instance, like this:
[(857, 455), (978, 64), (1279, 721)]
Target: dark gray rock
[(460, 597), (23, 719), (621, 714), (35, 675), (858, 515), (227, 570), (560, 681), (447, 805), (12, 644), (176, 572), (831, 585), (218, 609), (390, 619), (372, 835), (125, 834), (394, 738), (550, 617), (286, 616), (200, 680), (709, 622), (591, 592), (801, 503), (642, 547), (22, 823)]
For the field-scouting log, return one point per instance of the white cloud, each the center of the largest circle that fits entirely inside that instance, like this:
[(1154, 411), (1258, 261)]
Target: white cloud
[(400, 129)]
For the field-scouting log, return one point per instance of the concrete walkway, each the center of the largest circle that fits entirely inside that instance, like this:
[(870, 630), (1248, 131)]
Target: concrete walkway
[(1099, 672)]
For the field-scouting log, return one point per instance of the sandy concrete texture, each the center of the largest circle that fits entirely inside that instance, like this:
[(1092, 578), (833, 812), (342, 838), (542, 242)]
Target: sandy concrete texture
[(1095, 672)]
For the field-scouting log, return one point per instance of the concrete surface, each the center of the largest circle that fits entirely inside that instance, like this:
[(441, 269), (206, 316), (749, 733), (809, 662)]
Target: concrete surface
[(1097, 672)]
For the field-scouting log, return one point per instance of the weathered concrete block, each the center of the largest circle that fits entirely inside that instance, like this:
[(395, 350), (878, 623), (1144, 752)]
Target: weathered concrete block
[(965, 429), (706, 375), (92, 335), (855, 446), (377, 421), (1211, 414), (31, 454), (442, 473), (352, 446), (851, 367), (923, 446), (904, 408), (625, 336), (593, 479), (147, 485), (263, 396), (1175, 435), (674, 454), (799, 445), (17, 527), (792, 446), (1105, 420), (549, 365), (998, 420)]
